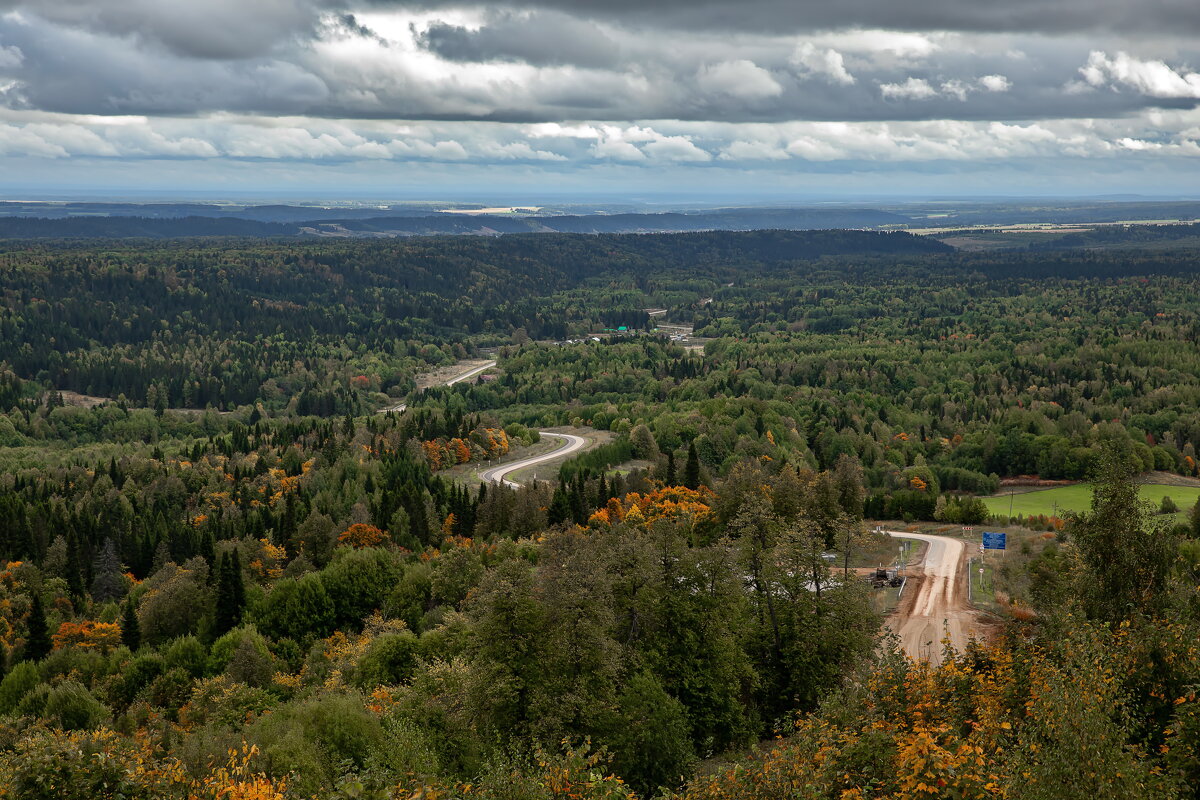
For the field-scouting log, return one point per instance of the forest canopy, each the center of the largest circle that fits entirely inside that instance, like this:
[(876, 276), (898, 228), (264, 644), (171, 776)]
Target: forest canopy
[(245, 550)]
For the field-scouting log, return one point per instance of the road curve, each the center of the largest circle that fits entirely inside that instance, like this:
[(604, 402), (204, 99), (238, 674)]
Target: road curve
[(573, 444), (937, 608)]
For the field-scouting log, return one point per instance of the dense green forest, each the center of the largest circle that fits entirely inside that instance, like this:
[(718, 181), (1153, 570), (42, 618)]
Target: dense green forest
[(223, 574)]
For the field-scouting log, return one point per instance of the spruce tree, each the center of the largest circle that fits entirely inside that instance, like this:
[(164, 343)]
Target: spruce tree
[(37, 639), (238, 585), (107, 583), (74, 570), (670, 476), (231, 593), (691, 470), (131, 632), (223, 613)]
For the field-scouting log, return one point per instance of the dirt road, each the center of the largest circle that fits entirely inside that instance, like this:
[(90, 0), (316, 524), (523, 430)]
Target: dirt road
[(934, 602), (497, 474)]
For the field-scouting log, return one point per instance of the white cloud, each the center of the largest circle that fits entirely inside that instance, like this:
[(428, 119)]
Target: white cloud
[(921, 89), (518, 151), (545, 130), (956, 89), (738, 78), (1153, 78), (617, 150), (1138, 144), (297, 140), (911, 89), (826, 62), (741, 150), (995, 83), (676, 148), (898, 44)]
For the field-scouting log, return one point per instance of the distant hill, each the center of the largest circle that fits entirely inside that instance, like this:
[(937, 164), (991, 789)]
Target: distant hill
[(92, 227), (137, 227), (1115, 236)]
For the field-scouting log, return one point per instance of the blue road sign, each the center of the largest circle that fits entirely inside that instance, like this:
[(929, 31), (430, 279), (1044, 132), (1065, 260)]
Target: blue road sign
[(994, 541)]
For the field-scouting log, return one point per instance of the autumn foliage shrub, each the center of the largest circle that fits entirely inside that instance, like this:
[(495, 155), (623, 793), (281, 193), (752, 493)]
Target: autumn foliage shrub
[(360, 535)]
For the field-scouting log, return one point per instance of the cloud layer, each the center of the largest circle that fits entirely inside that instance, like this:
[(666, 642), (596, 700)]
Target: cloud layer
[(552, 85)]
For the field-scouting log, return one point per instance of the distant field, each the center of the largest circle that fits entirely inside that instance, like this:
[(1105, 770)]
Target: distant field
[(1079, 498)]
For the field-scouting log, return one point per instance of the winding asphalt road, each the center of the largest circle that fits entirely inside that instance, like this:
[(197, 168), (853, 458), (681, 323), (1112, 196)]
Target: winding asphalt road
[(573, 444), (938, 607)]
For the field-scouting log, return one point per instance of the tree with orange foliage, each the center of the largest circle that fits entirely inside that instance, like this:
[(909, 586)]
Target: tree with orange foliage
[(98, 635), (360, 535), (433, 454)]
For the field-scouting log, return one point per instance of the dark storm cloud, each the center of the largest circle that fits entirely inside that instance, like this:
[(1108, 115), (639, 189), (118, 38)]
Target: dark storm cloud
[(206, 29), (539, 39), (616, 60), (980, 16), (73, 72)]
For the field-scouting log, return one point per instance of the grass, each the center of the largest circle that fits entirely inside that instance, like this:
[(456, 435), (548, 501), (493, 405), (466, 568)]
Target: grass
[(983, 586), (1078, 497), (885, 600)]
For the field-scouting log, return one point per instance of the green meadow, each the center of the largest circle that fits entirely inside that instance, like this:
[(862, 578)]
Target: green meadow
[(1078, 497)]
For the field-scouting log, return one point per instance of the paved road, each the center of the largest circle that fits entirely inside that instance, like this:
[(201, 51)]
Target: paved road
[(937, 605), (469, 374), (573, 444)]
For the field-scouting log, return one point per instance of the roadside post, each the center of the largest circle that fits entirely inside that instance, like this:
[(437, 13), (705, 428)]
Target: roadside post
[(992, 540)]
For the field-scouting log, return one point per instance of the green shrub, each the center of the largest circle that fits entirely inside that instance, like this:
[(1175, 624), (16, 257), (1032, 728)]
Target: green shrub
[(52, 765), (222, 702), (390, 659), (33, 704), (187, 654), (297, 609), (169, 691), (16, 684), (358, 581), (137, 675), (72, 707), (223, 649), (651, 741), (318, 741)]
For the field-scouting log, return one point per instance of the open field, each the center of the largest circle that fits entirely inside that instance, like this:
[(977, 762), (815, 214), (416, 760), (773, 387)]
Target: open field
[(1078, 497)]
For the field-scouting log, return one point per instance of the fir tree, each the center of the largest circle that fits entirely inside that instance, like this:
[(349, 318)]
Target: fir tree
[(131, 632), (107, 584), (231, 593), (74, 569), (37, 639), (239, 585), (691, 470), (670, 476)]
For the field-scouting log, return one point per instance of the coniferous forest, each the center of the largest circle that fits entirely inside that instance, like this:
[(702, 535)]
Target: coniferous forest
[(245, 551)]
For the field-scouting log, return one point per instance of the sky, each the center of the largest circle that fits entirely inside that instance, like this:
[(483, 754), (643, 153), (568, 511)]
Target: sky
[(581, 98)]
